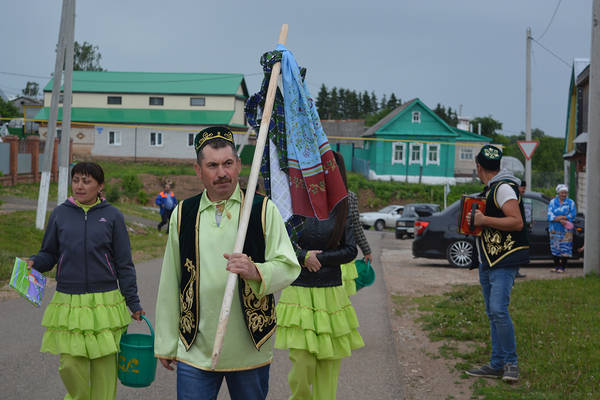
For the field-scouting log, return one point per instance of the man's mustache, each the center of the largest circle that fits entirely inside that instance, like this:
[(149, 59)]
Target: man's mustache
[(222, 180)]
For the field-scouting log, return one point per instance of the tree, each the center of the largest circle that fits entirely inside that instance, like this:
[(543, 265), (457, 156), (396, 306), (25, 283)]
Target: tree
[(393, 102), (32, 89), (489, 126), (87, 57), (323, 102), (8, 110), (334, 105), (448, 116)]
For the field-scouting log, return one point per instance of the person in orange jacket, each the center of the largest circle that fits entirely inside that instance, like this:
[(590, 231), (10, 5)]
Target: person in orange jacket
[(166, 201)]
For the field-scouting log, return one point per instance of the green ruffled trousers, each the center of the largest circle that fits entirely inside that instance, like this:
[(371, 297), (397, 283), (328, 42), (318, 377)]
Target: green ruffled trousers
[(85, 329), (319, 327)]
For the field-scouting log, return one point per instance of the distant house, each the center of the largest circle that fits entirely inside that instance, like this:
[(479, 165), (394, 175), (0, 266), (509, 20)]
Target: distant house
[(146, 115), (28, 107), (576, 132), (413, 144)]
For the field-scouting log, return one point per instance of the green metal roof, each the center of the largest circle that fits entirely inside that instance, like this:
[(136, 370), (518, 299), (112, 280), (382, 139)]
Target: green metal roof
[(156, 83), (143, 116), (466, 136)]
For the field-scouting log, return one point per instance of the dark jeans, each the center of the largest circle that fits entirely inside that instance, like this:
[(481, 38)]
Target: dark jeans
[(164, 219), (196, 384), (496, 285)]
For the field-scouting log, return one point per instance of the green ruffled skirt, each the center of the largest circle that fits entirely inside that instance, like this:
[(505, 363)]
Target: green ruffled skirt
[(349, 273), (320, 320), (85, 325)]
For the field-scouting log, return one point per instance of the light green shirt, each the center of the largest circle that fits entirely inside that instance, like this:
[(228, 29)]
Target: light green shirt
[(279, 270)]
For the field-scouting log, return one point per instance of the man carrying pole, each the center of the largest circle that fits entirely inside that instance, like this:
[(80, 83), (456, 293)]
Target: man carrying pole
[(198, 259)]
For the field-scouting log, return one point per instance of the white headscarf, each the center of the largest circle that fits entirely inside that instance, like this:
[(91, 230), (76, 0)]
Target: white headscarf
[(560, 187)]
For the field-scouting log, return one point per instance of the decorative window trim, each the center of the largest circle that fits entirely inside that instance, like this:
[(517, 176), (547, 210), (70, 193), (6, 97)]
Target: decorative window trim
[(157, 142), (429, 161), (416, 117), (466, 150), (410, 153), (116, 138), (190, 135), (394, 160)]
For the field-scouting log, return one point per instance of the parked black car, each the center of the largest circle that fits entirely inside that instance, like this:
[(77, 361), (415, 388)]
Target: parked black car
[(405, 225), (437, 236)]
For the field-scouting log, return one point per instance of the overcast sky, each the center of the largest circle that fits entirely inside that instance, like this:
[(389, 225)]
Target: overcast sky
[(461, 52)]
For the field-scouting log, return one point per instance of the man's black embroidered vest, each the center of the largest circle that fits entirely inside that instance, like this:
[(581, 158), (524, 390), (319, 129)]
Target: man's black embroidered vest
[(259, 314), (503, 247)]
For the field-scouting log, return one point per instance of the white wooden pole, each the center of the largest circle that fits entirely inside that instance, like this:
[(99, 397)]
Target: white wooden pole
[(591, 260), (247, 207), (65, 138), (528, 105), (40, 218)]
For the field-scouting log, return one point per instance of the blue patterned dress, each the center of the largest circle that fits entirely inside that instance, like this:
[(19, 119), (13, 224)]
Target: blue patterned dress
[(561, 238)]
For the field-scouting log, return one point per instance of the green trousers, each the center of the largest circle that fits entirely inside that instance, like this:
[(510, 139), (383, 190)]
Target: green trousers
[(309, 371), (89, 379)]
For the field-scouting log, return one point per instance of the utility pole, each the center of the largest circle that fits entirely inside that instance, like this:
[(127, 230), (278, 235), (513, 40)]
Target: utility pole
[(51, 134), (591, 262), (63, 161), (528, 104)]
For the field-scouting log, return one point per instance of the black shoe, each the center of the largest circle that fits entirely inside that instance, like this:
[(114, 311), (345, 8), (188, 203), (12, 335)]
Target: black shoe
[(520, 275), (158, 227), (511, 373), (486, 372)]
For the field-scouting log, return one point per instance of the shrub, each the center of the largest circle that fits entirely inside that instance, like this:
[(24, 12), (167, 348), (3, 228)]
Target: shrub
[(131, 185), (112, 193), (142, 197)]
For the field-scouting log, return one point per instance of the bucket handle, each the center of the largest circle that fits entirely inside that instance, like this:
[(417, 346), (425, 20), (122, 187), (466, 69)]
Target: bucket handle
[(149, 325)]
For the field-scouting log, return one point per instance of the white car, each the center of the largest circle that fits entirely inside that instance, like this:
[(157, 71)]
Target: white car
[(386, 217)]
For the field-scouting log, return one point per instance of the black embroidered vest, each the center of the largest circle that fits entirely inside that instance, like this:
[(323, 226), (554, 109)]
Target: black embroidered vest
[(503, 247), (259, 314)]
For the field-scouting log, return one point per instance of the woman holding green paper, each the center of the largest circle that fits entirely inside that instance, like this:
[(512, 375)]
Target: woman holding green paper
[(87, 240)]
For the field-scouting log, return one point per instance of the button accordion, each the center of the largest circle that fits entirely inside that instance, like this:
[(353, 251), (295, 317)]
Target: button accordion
[(468, 205)]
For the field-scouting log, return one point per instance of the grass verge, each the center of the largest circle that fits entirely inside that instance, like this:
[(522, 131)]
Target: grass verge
[(20, 238), (556, 325)]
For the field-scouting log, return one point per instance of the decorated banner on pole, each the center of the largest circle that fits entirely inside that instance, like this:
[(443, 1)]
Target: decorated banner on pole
[(528, 147)]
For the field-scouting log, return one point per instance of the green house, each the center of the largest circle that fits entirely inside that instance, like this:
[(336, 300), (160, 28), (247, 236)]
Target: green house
[(413, 144)]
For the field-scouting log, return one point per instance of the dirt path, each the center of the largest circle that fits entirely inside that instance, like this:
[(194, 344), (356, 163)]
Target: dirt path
[(427, 375)]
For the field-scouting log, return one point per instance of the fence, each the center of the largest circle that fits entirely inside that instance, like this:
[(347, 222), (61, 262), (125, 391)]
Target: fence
[(20, 160)]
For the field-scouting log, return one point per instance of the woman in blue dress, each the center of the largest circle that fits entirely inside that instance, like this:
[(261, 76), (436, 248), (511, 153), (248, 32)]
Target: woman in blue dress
[(561, 214)]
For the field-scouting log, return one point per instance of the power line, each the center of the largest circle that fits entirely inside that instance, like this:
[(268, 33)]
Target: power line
[(551, 52), (551, 20)]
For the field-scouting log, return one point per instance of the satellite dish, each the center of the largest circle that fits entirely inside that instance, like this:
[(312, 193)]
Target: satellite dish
[(513, 165)]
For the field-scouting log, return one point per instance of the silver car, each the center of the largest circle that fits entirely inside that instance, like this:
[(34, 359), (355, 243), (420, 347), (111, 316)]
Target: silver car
[(386, 217)]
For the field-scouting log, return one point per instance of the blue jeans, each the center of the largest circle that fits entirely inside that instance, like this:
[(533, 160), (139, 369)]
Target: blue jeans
[(196, 384), (496, 285)]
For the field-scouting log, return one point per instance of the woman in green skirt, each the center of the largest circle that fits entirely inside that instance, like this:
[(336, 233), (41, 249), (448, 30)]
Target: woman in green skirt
[(87, 240), (315, 319)]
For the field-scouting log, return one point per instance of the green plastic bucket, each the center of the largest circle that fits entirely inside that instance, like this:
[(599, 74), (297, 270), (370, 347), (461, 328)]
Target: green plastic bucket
[(366, 274), (137, 364)]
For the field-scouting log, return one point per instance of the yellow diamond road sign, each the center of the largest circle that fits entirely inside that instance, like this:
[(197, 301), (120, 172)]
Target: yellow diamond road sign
[(528, 147)]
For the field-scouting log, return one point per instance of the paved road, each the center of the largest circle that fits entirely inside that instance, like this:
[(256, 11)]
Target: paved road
[(371, 373)]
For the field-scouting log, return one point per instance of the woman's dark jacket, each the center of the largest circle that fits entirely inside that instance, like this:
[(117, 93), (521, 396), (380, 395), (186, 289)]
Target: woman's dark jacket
[(91, 250), (315, 235)]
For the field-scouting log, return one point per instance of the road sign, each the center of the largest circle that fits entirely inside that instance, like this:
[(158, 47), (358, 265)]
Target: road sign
[(528, 147)]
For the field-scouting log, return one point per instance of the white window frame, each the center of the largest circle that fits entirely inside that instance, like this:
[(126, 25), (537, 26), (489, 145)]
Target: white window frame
[(416, 117), (466, 150), (437, 154), (394, 159), (157, 142), (410, 153), (198, 98), (188, 140), (116, 138)]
